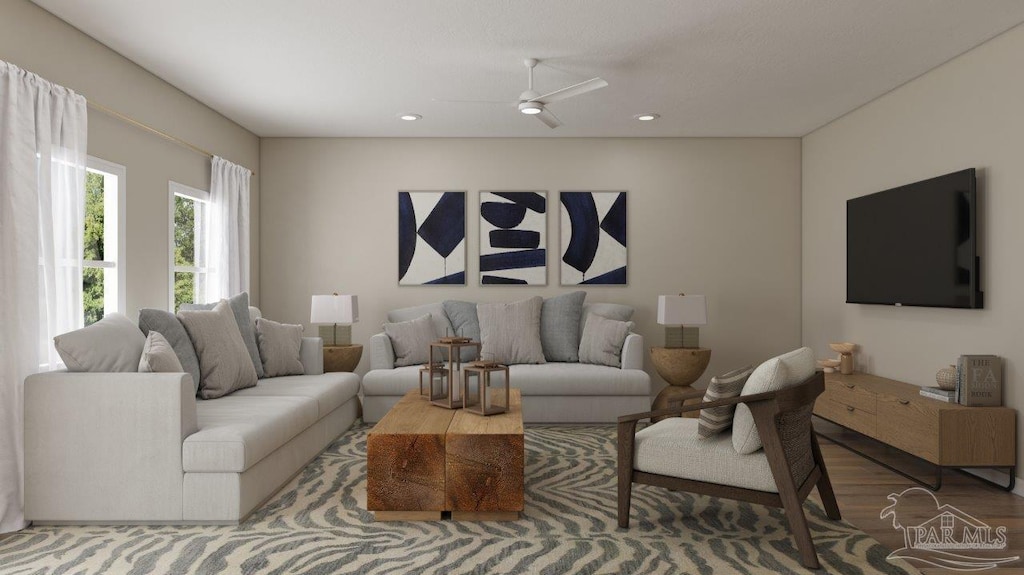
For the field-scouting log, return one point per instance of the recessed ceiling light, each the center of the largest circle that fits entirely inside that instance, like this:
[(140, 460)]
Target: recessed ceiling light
[(410, 117), (646, 117)]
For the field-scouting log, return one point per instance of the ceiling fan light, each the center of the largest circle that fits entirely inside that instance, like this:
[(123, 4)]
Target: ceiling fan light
[(531, 108)]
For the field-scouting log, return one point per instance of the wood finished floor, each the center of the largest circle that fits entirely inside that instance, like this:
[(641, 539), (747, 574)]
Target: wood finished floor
[(862, 488)]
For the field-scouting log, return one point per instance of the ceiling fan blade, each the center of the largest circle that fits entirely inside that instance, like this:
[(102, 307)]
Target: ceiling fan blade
[(570, 91), (506, 102), (548, 118)]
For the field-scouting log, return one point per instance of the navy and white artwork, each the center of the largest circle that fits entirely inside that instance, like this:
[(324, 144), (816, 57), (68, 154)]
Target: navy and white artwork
[(513, 245), (431, 238), (593, 238)]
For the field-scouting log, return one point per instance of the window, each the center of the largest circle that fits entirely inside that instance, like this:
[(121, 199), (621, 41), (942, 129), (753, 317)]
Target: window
[(103, 247), (188, 238)]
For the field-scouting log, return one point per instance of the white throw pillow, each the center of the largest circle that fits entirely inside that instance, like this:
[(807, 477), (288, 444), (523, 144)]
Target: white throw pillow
[(158, 355), (602, 339), (777, 373), (114, 343), (280, 347), (510, 332), (224, 362), (411, 340)]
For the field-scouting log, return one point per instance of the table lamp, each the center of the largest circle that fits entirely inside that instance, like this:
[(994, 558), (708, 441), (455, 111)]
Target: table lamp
[(336, 309), (681, 314)]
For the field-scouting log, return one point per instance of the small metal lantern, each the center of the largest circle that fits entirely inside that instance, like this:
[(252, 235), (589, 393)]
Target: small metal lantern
[(436, 382), (484, 399), (450, 393)]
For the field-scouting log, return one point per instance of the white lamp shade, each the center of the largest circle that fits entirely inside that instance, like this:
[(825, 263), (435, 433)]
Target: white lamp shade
[(682, 310), (335, 308)]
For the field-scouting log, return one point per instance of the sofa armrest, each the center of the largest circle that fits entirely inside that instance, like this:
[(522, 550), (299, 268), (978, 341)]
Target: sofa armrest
[(106, 446), (311, 353), (382, 354), (633, 352)]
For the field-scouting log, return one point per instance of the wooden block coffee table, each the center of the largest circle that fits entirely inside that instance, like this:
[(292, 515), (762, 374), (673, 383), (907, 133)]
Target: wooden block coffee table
[(423, 460)]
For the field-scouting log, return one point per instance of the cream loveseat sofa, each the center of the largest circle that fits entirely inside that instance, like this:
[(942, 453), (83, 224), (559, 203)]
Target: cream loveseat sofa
[(141, 448), (552, 392)]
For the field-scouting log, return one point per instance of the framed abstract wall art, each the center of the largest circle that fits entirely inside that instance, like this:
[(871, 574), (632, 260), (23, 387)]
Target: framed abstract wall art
[(513, 238), (431, 238), (593, 238)]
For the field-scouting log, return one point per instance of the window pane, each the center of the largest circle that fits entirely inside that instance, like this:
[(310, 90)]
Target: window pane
[(184, 288), (92, 294), (184, 233), (93, 244)]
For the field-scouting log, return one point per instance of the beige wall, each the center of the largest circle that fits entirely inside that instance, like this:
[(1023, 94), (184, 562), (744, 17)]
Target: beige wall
[(35, 40), (966, 113), (719, 217)]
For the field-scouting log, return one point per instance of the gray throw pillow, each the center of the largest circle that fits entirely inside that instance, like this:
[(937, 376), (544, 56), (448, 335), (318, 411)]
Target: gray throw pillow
[(224, 363), (510, 332), (777, 373), (158, 356), (279, 347), (170, 327), (715, 420), (411, 340), (240, 308), (442, 327), (462, 315), (112, 344), (615, 311), (560, 326), (602, 340)]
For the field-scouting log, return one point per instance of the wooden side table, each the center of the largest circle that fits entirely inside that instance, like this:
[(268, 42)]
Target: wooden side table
[(342, 357), (680, 367)]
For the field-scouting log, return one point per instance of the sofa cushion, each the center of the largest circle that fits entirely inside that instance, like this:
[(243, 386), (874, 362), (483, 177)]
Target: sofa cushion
[(170, 327), (615, 311), (777, 373), (510, 332), (240, 309), (560, 326), (236, 432), (438, 318), (113, 344), (411, 340), (330, 390), (279, 345), (158, 356), (672, 447), (462, 315), (224, 363), (602, 339)]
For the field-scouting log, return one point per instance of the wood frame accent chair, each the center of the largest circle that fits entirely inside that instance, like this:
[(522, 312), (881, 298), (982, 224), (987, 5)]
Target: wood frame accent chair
[(783, 421)]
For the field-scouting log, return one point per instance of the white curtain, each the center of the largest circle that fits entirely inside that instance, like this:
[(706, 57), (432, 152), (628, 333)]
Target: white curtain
[(227, 230), (43, 131)]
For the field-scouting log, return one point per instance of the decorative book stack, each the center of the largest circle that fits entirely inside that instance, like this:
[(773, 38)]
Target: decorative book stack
[(947, 395), (979, 380)]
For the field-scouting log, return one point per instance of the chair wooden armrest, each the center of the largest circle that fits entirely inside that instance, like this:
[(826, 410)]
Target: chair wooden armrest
[(695, 406)]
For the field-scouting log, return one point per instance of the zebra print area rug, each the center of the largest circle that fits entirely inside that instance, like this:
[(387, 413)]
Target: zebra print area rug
[(318, 525)]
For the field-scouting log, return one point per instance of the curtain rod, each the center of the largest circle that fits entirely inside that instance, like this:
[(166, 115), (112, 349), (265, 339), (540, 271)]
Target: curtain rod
[(152, 130)]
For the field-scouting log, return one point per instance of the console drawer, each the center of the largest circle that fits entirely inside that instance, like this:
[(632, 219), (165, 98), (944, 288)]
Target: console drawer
[(845, 415), (852, 394), (910, 424)]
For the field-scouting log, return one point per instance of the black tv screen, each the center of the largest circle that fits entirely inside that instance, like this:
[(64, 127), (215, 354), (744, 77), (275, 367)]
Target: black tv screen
[(915, 245)]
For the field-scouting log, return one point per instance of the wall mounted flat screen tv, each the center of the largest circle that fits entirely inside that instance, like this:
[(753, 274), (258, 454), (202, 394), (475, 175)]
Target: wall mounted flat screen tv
[(915, 245)]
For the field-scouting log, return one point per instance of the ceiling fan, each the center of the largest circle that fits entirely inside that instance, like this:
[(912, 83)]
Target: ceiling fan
[(532, 103)]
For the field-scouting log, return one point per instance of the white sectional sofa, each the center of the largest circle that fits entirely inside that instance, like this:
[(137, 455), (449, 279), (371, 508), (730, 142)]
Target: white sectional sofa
[(140, 448), (553, 392)]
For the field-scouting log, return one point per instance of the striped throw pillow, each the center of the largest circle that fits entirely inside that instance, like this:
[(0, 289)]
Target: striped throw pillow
[(717, 419)]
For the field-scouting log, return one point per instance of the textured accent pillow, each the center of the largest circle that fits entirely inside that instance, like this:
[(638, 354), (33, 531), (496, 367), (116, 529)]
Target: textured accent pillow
[(279, 347), (158, 355), (240, 308), (465, 323), (728, 385), (602, 340), (224, 363), (780, 372), (438, 318), (560, 326), (113, 343), (510, 332), (170, 327), (411, 340), (615, 311)]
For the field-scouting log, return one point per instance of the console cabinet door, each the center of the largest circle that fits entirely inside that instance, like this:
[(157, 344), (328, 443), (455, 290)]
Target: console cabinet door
[(910, 424)]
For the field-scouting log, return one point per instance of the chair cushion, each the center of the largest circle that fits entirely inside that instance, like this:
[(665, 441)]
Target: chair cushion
[(715, 420), (236, 432), (673, 447), (330, 390), (777, 373)]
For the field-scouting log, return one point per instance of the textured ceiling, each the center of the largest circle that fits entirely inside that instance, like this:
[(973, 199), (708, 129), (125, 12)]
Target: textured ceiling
[(709, 67)]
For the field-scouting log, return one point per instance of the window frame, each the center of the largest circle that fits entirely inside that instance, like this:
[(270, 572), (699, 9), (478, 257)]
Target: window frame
[(116, 302), (196, 194)]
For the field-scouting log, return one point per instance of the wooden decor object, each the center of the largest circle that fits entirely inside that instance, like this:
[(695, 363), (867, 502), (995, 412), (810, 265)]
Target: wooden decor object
[(680, 367), (342, 357), (845, 351)]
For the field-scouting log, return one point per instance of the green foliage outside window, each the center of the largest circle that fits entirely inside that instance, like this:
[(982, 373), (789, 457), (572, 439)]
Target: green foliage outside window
[(184, 250), (92, 278)]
